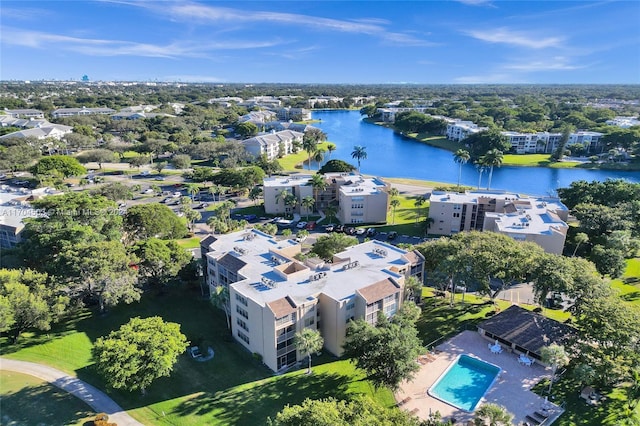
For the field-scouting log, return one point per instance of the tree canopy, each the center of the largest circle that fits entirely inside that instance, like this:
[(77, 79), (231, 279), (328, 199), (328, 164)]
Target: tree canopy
[(62, 164), (138, 353), (336, 166), (146, 221), (328, 245)]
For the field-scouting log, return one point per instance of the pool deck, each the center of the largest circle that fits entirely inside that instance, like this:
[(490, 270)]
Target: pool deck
[(511, 388)]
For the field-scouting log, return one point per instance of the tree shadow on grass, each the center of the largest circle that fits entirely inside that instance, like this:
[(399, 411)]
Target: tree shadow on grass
[(254, 403), (631, 297), (43, 404)]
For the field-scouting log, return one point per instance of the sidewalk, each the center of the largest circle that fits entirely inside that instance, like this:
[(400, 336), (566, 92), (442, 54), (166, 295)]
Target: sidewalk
[(93, 397)]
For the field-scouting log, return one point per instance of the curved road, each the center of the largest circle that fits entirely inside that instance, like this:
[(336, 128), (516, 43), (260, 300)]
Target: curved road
[(92, 396)]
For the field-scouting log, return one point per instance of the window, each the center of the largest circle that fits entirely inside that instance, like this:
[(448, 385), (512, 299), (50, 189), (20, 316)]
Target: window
[(351, 306), (242, 324), (241, 299), (242, 312), (243, 337), (309, 321), (389, 299)]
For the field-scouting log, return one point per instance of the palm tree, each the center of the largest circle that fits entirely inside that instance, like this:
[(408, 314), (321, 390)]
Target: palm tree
[(492, 158), (255, 194), (330, 211), (394, 204), (192, 189), (461, 157), (393, 192), (309, 144), (481, 168), (418, 203), (331, 147), (308, 341), (555, 356), (220, 299), (291, 201), (318, 156), (580, 238), (318, 183), (359, 153), (307, 202), (492, 415), (430, 221), (282, 195)]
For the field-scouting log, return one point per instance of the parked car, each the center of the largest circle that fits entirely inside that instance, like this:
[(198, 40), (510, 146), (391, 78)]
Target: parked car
[(330, 227), (284, 223), (202, 206), (276, 219), (311, 226), (301, 225), (301, 238), (148, 191), (371, 232), (392, 235), (160, 178), (350, 231), (250, 217), (339, 228), (360, 231)]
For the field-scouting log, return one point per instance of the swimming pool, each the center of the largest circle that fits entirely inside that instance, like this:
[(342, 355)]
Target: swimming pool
[(464, 382)]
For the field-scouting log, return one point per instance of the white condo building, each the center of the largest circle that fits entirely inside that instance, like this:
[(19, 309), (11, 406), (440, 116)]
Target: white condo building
[(545, 142), (624, 122), (271, 143), (460, 130), (359, 199), (539, 220), (273, 295)]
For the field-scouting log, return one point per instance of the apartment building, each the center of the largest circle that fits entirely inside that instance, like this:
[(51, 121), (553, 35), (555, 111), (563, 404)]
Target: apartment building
[(624, 122), (273, 295), (70, 112), (271, 143), (460, 130), (293, 114), (15, 206), (24, 113), (359, 199), (388, 115), (545, 142), (540, 220)]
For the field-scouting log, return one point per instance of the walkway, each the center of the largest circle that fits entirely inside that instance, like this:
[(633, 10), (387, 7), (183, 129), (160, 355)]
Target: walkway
[(93, 397)]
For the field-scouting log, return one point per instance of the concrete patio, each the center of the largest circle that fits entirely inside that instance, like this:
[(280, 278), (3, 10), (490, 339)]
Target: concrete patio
[(512, 388)]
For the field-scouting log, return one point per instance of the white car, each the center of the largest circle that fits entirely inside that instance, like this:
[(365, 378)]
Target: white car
[(360, 231), (301, 225), (148, 191), (177, 194), (301, 238)]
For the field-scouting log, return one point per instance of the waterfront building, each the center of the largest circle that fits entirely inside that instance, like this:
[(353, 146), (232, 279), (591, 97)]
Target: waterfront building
[(460, 130), (271, 143), (272, 295), (541, 220), (545, 142)]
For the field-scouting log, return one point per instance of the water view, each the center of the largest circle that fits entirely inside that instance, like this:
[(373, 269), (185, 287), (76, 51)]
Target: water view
[(392, 155)]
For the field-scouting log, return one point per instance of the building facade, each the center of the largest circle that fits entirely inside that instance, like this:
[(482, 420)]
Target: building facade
[(460, 130), (545, 142), (272, 144), (70, 112), (539, 220), (272, 295)]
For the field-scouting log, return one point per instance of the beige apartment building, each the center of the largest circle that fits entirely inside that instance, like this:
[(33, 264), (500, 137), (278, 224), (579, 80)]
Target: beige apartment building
[(359, 199), (540, 220), (273, 295)]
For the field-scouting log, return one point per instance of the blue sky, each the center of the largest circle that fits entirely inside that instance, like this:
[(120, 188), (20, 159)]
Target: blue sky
[(427, 42)]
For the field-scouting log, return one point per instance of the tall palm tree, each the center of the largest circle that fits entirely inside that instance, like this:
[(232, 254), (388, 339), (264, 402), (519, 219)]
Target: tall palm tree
[(307, 202), (481, 169), (493, 415), (319, 184), (393, 192), (220, 299), (330, 211), (394, 204), (580, 238), (318, 156), (331, 147), (359, 153), (282, 195), (492, 158), (308, 341), (192, 189), (461, 157), (418, 203), (555, 356), (291, 201)]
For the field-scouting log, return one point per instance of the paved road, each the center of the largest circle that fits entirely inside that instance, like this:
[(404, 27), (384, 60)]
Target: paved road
[(95, 398)]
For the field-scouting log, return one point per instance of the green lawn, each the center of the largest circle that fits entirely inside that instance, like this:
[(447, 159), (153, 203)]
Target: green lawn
[(293, 162), (232, 388), (438, 141), (189, 243), (629, 284), (27, 400)]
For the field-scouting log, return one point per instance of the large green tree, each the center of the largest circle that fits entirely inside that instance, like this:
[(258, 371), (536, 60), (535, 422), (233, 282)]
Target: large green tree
[(153, 220), (388, 351), (138, 353), (62, 164), (482, 142), (360, 411), (160, 260), (328, 245)]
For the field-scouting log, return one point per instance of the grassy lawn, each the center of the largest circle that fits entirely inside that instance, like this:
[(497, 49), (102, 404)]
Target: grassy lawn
[(27, 400), (189, 243), (289, 162), (438, 141), (232, 388), (629, 284)]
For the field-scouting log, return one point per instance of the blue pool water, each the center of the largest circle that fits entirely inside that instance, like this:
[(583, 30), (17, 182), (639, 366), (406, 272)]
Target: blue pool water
[(465, 382)]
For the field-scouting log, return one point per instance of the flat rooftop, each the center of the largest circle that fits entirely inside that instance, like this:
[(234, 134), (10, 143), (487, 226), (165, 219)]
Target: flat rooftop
[(547, 203), (277, 181), (14, 205), (271, 273)]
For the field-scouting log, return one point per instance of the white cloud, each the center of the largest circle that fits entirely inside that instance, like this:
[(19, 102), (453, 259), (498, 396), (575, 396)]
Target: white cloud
[(497, 78), (476, 2), (105, 47), (516, 38), (193, 78), (557, 63)]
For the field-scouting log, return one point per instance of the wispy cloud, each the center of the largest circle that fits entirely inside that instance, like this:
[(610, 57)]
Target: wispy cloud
[(193, 78), (106, 47), (476, 2), (490, 78), (557, 63), (214, 15), (517, 38)]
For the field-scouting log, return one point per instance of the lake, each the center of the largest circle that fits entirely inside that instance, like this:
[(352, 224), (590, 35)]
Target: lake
[(392, 155)]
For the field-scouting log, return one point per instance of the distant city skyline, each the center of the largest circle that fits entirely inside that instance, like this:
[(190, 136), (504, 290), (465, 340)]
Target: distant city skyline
[(325, 42)]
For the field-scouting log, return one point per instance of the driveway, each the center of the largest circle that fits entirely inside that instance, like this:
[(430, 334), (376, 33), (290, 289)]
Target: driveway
[(92, 396)]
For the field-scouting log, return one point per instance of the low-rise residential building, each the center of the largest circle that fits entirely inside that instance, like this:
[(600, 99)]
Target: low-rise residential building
[(319, 101), (388, 115), (545, 142), (14, 208), (272, 295), (272, 144), (541, 220), (24, 113), (261, 101), (624, 122), (259, 118), (359, 199), (460, 130), (71, 112), (294, 114)]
